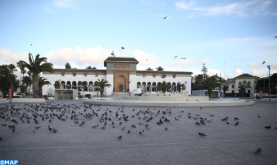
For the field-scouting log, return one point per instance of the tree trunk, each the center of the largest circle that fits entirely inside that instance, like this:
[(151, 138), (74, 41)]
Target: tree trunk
[(35, 86), (101, 92)]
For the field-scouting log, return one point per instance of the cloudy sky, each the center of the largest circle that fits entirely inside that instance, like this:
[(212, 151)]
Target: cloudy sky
[(84, 32)]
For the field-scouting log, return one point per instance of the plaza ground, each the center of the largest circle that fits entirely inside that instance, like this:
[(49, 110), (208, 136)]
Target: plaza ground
[(180, 144)]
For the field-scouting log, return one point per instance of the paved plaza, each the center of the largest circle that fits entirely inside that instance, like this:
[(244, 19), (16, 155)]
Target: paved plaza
[(180, 144)]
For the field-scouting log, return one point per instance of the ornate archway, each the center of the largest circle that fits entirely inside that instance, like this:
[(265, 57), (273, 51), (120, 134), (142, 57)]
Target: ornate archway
[(120, 84)]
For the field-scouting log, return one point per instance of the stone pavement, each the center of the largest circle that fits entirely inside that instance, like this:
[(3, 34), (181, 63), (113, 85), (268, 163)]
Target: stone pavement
[(180, 144)]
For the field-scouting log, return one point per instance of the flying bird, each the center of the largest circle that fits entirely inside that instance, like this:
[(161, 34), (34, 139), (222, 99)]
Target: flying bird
[(175, 57), (183, 58), (31, 44), (166, 16), (275, 37), (263, 62)]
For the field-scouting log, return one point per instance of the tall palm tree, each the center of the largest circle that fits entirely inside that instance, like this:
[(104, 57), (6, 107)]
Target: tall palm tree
[(160, 68), (23, 71), (163, 86), (67, 66), (41, 82), (149, 69), (211, 83), (102, 83), (35, 66)]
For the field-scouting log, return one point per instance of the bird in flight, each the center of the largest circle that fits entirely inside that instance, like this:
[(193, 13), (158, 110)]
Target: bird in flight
[(274, 37), (203, 64), (263, 62), (146, 59), (175, 57), (166, 16), (31, 44), (183, 58)]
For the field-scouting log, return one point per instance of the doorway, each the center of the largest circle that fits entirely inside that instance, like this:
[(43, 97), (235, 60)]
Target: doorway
[(120, 88)]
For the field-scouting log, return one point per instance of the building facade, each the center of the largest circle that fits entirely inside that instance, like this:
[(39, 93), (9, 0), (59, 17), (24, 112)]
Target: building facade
[(123, 76), (247, 80)]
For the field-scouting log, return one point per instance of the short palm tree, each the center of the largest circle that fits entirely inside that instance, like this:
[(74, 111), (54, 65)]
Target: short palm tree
[(97, 89), (163, 86), (57, 85), (36, 66), (149, 69), (242, 90), (41, 82), (211, 83), (160, 68), (67, 66), (27, 80), (225, 88), (102, 83), (183, 87), (12, 80)]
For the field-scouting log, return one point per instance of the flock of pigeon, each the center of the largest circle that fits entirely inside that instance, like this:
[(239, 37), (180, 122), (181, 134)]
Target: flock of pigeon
[(30, 113)]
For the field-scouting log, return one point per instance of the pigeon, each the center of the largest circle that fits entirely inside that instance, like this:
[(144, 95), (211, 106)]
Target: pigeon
[(197, 123), (237, 123), (212, 115), (123, 128), (236, 118), (267, 127), (1, 138), (37, 127), (200, 107), (259, 116), (134, 126), (103, 127), (95, 126), (202, 122), (210, 120), (82, 123), (175, 57), (13, 129), (176, 118), (202, 134), (141, 132), (34, 130), (4, 125), (165, 17), (129, 131), (119, 137), (166, 128), (49, 121), (183, 58), (258, 151), (227, 122)]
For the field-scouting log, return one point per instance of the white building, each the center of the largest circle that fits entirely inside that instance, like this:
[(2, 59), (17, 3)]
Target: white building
[(121, 73)]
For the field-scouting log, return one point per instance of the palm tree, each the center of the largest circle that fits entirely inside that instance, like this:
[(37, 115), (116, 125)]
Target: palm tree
[(67, 66), (97, 89), (183, 87), (160, 68), (12, 80), (23, 71), (102, 83), (41, 82), (225, 88), (149, 69), (27, 80), (163, 86), (242, 89), (57, 85), (211, 83), (35, 66)]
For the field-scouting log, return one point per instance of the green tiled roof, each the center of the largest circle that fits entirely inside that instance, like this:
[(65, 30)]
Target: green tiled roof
[(139, 71), (246, 75), (120, 59), (72, 70)]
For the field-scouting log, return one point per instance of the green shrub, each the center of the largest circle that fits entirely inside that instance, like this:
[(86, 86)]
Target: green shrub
[(87, 95), (18, 93), (80, 96)]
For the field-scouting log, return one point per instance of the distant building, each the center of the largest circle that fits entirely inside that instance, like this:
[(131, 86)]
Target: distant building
[(122, 74), (247, 80)]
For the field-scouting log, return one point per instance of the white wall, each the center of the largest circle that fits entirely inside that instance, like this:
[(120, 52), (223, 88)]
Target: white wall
[(109, 91), (133, 84), (68, 77)]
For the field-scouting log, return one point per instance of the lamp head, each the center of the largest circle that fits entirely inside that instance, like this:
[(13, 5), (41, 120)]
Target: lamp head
[(268, 66)]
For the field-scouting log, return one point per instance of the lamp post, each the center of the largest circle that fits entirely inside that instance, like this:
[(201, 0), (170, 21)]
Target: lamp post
[(269, 83), (264, 79)]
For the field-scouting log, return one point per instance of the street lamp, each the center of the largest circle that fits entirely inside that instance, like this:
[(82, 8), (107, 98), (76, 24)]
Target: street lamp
[(269, 83)]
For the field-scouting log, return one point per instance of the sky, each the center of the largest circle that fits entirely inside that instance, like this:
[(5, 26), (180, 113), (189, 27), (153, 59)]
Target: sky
[(230, 37)]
